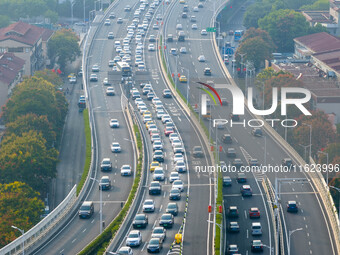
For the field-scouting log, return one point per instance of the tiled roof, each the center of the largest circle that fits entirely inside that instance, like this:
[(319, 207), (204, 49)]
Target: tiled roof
[(24, 33), (319, 42), (10, 65), (330, 58)]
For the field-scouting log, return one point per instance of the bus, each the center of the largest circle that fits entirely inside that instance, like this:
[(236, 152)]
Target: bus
[(124, 68), (237, 35)]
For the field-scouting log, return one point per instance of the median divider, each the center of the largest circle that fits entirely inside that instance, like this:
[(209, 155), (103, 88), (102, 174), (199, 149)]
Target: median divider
[(316, 179)]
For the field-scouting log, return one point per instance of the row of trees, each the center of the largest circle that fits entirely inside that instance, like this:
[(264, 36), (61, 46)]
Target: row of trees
[(34, 117)]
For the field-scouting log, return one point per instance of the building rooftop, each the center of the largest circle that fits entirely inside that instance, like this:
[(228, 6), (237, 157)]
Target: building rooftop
[(24, 33), (312, 79), (318, 16), (330, 58), (319, 42), (10, 65)]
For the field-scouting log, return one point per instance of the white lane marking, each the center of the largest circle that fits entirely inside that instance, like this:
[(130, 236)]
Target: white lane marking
[(84, 230), (62, 251), (144, 246), (160, 208), (74, 240), (247, 234), (245, 214)]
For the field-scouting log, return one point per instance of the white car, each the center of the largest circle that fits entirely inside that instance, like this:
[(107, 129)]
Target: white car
[(201, 58), (138, 100), (166, 118), (179, 27), (178, 184), (149, 205), (173, 136), (95, 68), (176, 142), (160, 114), (196, 9), (158, 174), (157, 145), (151, 47), (114, 123), (125, 170), (106, 82), (107, 22), (173, 176), (155, 26), (134, 238), (93, 77), (143, 109), (110, 91), (115, 147), (183, 50), (178, 157), (204, 32), (194, 26), (180, 166), (147, 118)]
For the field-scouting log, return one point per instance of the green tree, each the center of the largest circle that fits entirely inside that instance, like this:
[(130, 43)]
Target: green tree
[(25, 158), (319, 5), (322, 131), (256, 50), (30, 121), (21, 206), (38, 96), (4, 21), (52, 15), (63, 47), (256, 12), (49, 76), (283, 26)]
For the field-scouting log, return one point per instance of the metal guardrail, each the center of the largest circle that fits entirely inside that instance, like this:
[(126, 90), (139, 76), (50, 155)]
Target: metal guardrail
[(39, 230), (270, 197)]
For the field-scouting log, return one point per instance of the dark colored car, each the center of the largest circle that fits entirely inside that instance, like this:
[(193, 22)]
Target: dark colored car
[(287, 162), (155, 188), (226, 138), (175, 194), (207, 71), (154, 245), (246, 191), (257, 132), (232, 212), (227, 181), (256, 246), (292, 206), (140, 221), (235, 117), (197, 152), (172, 208), (166, 220), (86, 210), (253, 162), (105, 183), (233, 226), (184, 15), (241, 178), (106, 164)]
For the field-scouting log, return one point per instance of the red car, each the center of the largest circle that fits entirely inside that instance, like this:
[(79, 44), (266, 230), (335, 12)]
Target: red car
[(168, 131), (254, 212)]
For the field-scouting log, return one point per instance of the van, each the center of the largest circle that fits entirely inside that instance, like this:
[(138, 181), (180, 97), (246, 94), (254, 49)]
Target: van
[(256, 228), (86, 210), (117, 44)]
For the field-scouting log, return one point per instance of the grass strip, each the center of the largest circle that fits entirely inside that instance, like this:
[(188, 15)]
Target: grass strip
[(87, 164)]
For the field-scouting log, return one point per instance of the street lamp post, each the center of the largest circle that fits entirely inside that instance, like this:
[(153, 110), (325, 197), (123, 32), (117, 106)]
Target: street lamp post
[(304, 146), (338, 190), (72, 3), (101, 205), (23, 241), (310, 138), (325, 153), (289, 234)]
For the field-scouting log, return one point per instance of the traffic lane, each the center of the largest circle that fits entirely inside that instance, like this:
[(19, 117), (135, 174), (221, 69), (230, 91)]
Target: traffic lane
[(244, 237), (312, 229)]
